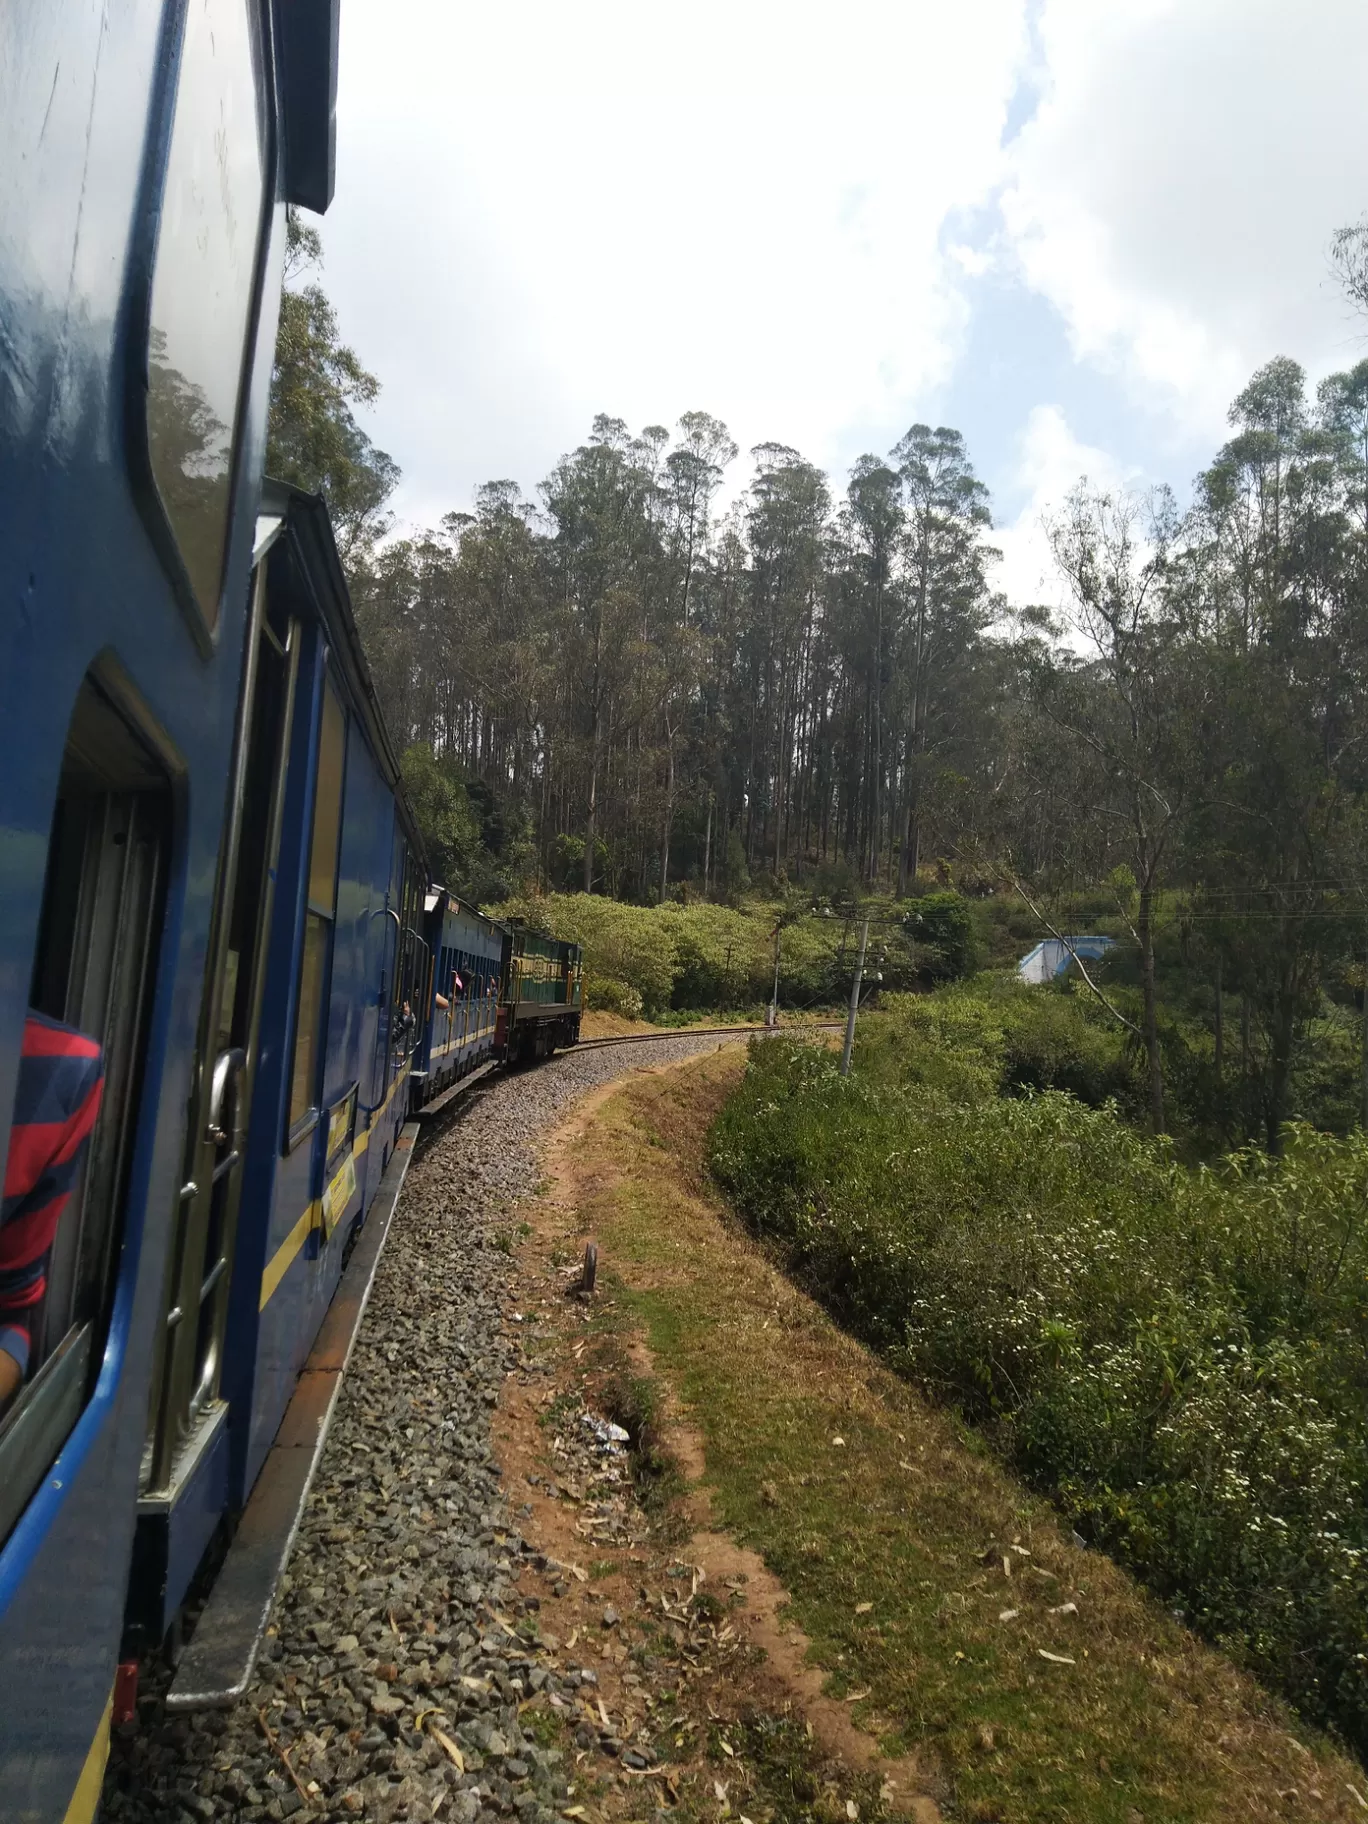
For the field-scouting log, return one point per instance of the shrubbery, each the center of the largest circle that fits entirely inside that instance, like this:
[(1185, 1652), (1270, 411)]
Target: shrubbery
[(994, 1035), (689, 957), (1180, 1358), (942, 928)]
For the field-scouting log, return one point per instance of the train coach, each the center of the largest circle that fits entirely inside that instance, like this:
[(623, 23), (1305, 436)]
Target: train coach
[(340, 991), (463, 956), (316, 961), (150, 152), (497, 992), (541, 993), (217, 927)]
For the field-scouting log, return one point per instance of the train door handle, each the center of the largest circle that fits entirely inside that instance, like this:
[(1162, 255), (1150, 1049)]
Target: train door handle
[(228, 1069)]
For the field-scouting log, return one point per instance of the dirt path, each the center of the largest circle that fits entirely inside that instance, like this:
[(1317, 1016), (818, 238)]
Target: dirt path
[(775, 1672), (757, 1660)]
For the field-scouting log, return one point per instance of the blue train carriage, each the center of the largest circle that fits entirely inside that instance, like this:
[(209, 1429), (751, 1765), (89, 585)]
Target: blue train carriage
[(149, 153), (464, 956), (539, 1009), (323, 970)]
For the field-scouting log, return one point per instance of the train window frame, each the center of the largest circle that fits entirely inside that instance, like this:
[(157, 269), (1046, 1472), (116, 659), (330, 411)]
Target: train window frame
[(96, 964), (151, 272), (320, 884)]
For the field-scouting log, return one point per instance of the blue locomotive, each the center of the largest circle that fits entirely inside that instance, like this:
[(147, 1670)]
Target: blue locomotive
[(207, 864)]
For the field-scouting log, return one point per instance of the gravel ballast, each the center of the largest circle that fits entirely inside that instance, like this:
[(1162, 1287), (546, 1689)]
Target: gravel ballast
[(400, 1648)]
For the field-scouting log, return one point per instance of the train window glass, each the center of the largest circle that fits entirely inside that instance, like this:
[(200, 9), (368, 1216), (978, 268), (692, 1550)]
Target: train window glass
[(332, 746), (203, 280), (91, 989), (310, 1004), (322, 904)]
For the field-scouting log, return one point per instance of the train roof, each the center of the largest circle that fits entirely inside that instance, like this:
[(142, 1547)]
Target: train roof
[(296, 528), (455, 903)]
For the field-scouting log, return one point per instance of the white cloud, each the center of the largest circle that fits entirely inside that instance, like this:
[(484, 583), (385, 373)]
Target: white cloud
[(1176, 190), (776, 212), (546, 211), (1051, 460)]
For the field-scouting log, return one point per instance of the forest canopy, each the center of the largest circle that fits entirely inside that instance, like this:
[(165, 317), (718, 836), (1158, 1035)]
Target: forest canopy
[(611, 686)]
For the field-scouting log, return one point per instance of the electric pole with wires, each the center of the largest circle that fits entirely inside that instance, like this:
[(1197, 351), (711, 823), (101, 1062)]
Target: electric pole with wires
[(854, 1000)]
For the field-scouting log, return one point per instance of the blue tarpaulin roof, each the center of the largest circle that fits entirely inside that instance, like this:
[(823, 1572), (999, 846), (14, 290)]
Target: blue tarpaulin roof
[(1053, 956)]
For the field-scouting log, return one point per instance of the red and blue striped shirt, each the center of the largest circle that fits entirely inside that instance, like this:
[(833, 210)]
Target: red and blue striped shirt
[(61, 1079)]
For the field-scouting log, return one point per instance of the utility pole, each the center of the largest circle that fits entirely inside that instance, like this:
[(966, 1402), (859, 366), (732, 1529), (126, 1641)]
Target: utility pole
[(854, 1001)]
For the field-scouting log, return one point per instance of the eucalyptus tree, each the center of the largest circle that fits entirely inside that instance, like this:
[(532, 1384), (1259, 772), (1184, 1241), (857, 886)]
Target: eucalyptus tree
[(694, 470), (1349, 260), (1286, 765), (949, 606), (873, 522), (1125, 706), (787, 510), (606, 560)]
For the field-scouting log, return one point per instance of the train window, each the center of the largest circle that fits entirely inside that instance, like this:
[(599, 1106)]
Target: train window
[(411, 964), (90, 992), (203, 280), (332, 753), (321, 906)]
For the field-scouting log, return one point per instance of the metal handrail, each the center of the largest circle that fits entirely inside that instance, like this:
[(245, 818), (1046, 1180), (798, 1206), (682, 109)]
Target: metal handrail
[(228, 1068)]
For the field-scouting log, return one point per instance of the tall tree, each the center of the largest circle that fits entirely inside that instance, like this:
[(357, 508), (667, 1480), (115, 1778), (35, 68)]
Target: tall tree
[(1126, 707), (949, 606)]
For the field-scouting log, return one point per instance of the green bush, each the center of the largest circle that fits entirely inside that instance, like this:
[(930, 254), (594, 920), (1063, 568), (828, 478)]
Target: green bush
[(1055, 1038), (942, 927), (946, 1042), (606, 994), (1180, 1358), (995, 1036), (721, 955), (689, 957)]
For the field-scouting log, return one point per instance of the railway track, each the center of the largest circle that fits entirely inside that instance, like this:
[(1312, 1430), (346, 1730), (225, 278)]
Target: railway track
[(700, 1032), (407, 1549), (435, 1114)]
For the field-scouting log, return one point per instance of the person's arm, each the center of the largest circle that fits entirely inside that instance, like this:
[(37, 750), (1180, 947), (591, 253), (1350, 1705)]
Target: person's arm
[(61, 1082), (11, 1372)]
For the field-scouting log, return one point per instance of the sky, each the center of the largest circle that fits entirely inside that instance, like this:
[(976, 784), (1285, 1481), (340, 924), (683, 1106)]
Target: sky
[(1072, 229)]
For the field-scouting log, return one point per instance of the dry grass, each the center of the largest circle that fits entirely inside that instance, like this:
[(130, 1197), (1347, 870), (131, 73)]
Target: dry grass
[(931, 1583), (595, 1025)]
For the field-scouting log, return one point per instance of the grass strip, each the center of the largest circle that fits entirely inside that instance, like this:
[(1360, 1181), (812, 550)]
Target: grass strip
[(1034, 1679)]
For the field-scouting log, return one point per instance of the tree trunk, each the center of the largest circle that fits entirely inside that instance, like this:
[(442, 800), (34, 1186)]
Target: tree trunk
[(1279, 1079), (1145, 932), (707, 848), (589, 828), (596, 709), (1220, 1025), (669, 820), (910, 858), (1244, 1063)]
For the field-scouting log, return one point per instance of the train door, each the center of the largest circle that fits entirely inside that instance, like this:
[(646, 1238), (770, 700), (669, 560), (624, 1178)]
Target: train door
[(186, 1435), (93, 970)]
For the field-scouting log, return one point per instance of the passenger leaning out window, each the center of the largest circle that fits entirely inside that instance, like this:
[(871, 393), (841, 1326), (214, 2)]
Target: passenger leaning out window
[(61, 1079)]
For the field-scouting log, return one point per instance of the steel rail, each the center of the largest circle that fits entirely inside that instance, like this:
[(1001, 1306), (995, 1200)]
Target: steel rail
[(696, 1032), (435, 1116)]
